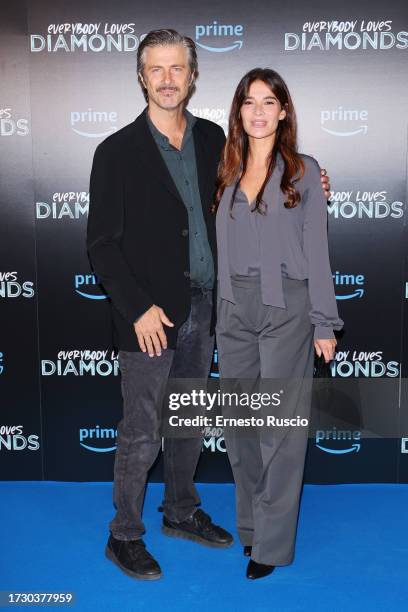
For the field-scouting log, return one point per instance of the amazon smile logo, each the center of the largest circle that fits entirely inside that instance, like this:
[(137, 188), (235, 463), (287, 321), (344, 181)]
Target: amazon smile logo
[(347, 285), (340, 442), (344, 122), (218, 34), (98, 439), (93, 124), (88, 280)]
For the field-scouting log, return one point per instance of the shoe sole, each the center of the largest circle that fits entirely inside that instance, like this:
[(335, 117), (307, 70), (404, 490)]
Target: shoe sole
[(259, 577), (110, 555), (184, 535)]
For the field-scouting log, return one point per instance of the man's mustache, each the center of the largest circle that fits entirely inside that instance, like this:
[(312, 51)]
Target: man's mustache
[(172, 87)]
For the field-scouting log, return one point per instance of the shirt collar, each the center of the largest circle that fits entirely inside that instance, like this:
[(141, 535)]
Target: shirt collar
[(162, 140)]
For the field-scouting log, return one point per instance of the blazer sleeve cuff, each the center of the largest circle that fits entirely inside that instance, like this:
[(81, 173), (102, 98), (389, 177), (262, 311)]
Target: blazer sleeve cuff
[(140, 312)]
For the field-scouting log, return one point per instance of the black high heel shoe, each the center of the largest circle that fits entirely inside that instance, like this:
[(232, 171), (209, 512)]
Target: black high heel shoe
[(258, 570), (247, 551)]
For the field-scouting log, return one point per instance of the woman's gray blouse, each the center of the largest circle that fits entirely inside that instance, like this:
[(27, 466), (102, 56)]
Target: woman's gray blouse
[(289, 242), (244, 238)]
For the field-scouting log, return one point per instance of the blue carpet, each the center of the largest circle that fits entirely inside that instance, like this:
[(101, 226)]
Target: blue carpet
[(351, 554)]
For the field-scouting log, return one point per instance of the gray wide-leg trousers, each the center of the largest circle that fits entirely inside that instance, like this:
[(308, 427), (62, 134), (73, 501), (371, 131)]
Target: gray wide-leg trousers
[(256, 341)]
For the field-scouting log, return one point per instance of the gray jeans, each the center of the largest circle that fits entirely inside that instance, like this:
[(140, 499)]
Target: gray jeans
[(144, 380)]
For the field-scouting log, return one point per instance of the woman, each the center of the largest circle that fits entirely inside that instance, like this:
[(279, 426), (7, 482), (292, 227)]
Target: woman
[(275, 301)]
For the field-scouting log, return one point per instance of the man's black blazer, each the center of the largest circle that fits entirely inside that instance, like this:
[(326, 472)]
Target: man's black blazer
[(138, 225)]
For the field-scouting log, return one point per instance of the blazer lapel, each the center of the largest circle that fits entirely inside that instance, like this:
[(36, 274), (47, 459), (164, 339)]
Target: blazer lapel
[(150, 155)]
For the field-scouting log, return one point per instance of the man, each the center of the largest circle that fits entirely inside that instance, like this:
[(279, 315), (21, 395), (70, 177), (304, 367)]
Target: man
[(151, 240)]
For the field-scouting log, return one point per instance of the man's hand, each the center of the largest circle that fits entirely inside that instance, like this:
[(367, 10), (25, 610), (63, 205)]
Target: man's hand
[(149, 331), (326, 347), (325, 180)]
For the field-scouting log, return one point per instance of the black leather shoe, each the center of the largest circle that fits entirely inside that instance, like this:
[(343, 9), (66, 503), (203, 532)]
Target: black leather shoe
[(258, 570), (199, 528), (133, 559), (247, 551)]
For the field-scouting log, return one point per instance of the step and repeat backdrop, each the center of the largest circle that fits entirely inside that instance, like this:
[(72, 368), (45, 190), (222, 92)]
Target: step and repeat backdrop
[(68, 80)]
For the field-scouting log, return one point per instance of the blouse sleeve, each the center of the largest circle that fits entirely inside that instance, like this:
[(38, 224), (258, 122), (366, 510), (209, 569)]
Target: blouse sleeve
[(323, 314)]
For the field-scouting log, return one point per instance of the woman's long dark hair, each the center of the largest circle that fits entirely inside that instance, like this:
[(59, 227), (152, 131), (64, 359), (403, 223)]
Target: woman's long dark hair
[(234, 157)]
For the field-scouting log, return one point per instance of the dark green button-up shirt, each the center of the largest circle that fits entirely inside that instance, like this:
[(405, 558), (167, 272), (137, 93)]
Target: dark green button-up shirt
[(183, 170)]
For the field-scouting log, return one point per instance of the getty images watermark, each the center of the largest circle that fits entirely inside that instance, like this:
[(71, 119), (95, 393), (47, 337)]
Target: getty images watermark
[(336, 406), (199, 408)]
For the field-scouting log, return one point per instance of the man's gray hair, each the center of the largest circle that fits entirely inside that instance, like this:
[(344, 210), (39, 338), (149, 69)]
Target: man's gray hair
[(161, 38)]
